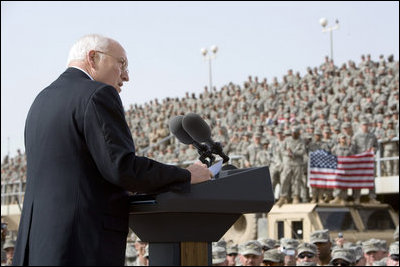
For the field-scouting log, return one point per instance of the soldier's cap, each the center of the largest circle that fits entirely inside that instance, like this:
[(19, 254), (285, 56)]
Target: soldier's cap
[(340, 136), (320, 236), (232, 249), (317, 131), (258, 135), (371, 245), (394, 248), (274, 255), (310, 126), (267, 243), (289, 243), (382, 245), (358, 252), (390, 121), (346, 125), (220, 243), (307, 247), (9, 244), (279, 130), (364, 121), (250, 247), (218, 254), (286, 132), (346, 254), (307, 136), (327, 130), (265, 142), (295, 129)]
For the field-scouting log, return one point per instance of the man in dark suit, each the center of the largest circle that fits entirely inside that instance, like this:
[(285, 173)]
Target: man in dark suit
[(81, 164)]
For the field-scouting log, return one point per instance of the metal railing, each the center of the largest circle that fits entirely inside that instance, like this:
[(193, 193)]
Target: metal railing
[(12, 191), (379, 159)]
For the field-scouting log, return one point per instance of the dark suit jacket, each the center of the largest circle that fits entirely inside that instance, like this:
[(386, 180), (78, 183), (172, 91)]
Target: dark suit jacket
[(80, 163)]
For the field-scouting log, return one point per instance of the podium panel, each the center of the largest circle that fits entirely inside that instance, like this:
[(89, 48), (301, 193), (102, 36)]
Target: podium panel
[(173, 221)]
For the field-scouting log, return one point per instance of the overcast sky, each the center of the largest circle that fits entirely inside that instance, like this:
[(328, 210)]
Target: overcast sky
[(163, 42)]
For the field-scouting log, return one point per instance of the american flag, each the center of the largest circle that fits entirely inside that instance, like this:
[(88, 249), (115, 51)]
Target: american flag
[(330, 171)]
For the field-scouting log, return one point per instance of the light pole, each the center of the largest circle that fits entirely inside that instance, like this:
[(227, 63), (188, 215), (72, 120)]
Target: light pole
[(324, 22), (211, 56)]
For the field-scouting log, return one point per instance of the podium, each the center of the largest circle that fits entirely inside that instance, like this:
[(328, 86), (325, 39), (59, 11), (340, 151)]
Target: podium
[(181, 226)]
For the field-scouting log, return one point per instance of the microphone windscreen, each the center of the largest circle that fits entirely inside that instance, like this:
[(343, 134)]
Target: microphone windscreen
[(196, 127), (175, 127)]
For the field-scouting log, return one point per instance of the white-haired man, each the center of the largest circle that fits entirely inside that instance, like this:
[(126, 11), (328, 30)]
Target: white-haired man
[(81, 163)]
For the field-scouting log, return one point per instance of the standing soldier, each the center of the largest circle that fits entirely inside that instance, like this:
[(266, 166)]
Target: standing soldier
[(364, 141), (252, 150), (341, 149), (390, 149), (327, 146), (293, 151), (242, 148), (315, 144), (275, 168), (263, 157)]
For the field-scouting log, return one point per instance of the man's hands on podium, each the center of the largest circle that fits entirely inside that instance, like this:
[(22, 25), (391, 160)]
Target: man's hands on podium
[(199, 173)]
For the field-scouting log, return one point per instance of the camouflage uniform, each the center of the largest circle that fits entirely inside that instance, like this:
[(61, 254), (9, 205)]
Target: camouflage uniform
[(390, 149), (361, 143), (341, 150), (276, 166), (293, 151)]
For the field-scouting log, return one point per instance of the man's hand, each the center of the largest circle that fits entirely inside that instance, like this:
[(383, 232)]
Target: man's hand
[(199, 173)]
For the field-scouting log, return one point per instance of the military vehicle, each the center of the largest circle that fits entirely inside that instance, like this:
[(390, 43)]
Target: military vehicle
[(355, 222)]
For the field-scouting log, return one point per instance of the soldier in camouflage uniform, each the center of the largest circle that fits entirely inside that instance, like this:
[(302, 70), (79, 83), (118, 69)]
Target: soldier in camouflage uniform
[(263, 157), (390, 149), (252, 150), (292, 151), (276, 166), (364, 141), (242, 148), (341, 149)]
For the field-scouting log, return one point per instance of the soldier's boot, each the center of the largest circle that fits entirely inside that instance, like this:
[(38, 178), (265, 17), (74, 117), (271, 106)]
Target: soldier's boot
[(321, 199), (373, 201), (313, 200), (336, 200), (281, 201), (328, 198), (296, 200)]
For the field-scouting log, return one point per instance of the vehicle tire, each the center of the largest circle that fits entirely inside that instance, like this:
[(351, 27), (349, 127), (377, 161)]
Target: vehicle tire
[(244, 229)]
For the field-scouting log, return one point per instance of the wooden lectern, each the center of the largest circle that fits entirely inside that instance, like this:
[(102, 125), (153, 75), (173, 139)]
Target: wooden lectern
[(181, 227)]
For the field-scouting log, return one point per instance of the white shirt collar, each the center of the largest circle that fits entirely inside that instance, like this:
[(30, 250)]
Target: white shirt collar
[(83, 71)]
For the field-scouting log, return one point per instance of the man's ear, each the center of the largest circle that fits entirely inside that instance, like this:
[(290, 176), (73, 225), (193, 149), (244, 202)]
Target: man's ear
[(91, 58)]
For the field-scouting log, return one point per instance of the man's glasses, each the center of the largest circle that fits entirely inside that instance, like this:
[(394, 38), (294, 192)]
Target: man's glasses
[(308, 255), (340, 263), (395, 257), (122, 61)]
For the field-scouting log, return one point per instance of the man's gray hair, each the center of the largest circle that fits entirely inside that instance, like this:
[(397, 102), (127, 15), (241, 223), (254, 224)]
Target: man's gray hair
[(86, 43)]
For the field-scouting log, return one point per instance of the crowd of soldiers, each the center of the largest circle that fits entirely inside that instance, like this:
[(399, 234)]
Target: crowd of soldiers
[(320, 251), (279, 123), (343, 110)]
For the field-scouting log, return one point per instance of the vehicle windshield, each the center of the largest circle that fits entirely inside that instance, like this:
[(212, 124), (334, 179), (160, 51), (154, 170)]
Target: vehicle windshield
[(376, 219), (336, 219)]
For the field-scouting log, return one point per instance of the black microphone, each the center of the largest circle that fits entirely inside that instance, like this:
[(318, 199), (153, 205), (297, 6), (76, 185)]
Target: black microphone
[(199, 130), (175, 127)]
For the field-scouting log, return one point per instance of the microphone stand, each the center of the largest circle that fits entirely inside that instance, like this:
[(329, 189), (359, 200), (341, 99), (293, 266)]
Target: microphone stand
[(205, 153), (216, 148)]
